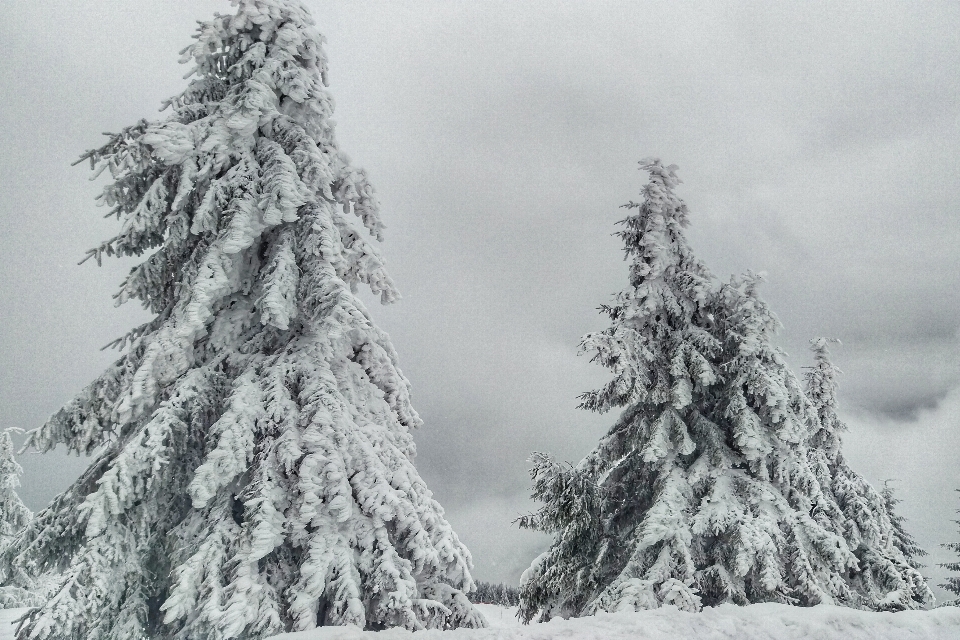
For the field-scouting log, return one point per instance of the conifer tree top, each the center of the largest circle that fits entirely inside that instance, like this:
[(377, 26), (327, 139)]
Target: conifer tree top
[(247, 150), (667, 284)]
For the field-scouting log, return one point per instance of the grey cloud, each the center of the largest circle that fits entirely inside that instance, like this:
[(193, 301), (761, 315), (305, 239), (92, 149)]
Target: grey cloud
[(907, 410), (900, 380)]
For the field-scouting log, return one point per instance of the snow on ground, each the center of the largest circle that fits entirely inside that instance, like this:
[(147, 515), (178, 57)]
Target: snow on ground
[(7, 618), (499, 617), (727, 622)]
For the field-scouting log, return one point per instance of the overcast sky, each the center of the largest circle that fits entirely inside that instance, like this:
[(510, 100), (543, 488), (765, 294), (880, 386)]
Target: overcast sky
[(818, 142)]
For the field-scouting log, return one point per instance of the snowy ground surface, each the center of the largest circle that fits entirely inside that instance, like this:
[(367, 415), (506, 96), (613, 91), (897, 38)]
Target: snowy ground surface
[(756, 622), (728, 622)]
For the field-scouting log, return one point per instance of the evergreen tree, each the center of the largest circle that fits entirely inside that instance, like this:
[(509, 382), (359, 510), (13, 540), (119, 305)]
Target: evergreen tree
[(701, 493), (953, 582), (499, 594), (886, 577), (253, 465), (901, 537), (479, 593), (14, 517)]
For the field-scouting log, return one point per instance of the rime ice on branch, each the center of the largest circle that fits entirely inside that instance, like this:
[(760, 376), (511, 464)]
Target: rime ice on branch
[(253, 465), (705, 490)]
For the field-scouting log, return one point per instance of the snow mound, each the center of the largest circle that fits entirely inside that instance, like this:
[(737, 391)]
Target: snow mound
[(726, 622)]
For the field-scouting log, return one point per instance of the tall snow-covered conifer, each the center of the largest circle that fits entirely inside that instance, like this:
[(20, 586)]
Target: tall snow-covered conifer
[(702, 492), (253, 465)]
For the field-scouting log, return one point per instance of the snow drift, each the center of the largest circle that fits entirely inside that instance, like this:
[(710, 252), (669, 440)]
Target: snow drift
[(755, 622)]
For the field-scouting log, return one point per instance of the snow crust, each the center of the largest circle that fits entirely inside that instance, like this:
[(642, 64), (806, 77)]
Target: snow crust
[(766, 621)]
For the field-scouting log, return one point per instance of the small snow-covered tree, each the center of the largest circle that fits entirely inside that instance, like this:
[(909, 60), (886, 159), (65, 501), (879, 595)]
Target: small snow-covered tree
[(253, 458), (702, 491), (14, 517), (886, 576), (952, 583), (902, 538)]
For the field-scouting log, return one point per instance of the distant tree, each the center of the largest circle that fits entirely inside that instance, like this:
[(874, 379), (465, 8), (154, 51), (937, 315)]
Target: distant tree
[(495, 593), (702, 492), (902, 538), (253, 469), (953, 582), (479, 594), (886, 577)]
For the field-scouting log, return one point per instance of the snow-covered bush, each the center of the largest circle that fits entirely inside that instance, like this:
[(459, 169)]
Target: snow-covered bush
[(253, 468)]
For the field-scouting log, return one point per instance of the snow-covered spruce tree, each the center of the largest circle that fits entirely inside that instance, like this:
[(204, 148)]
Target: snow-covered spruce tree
[(701, 493), (902, 538), (14, 517), (661, 355), (887, 576), (253, 465), (953, 582)]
